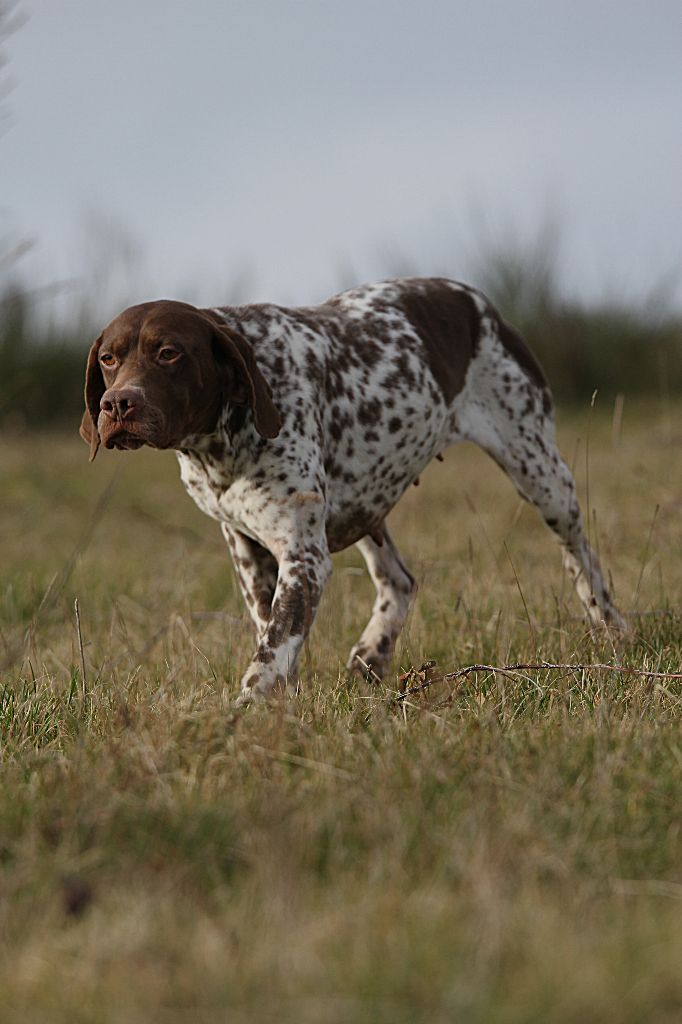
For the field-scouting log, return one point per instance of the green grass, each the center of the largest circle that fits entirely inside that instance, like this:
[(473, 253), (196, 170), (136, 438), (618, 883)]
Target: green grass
[(497, 849)]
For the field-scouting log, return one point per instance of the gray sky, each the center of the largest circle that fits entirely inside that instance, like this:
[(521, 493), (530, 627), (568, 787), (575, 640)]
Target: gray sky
[(299, 145)]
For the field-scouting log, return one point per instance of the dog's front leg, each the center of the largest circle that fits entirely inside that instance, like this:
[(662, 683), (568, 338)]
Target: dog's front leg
[(304, 567)]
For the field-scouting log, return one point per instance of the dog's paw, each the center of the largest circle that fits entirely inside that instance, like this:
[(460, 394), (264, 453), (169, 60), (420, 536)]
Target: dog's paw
[(259, 684), (249, 695)]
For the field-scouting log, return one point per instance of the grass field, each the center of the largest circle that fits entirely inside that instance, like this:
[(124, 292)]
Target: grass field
[(500, 848)]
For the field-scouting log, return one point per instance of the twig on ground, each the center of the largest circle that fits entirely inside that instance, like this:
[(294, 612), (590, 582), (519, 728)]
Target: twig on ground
[(369, 673), (537, 666)]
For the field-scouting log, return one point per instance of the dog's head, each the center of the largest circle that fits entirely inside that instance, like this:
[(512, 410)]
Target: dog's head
[(161, 372)]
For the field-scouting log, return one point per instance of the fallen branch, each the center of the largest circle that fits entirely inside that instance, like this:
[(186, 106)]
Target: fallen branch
[(511, 670)]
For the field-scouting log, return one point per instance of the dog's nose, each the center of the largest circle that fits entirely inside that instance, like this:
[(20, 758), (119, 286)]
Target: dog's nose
[(120, 403)]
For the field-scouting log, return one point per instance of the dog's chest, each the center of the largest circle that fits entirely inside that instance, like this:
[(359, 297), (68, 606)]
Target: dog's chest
[(204, 495), (225, 495), (207, 483)]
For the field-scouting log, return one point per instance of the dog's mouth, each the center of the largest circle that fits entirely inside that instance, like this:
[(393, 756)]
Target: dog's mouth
[(125, 437), (125, 441), (133, 432)]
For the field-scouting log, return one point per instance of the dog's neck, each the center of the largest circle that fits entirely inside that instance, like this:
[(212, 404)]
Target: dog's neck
[(221, 453)]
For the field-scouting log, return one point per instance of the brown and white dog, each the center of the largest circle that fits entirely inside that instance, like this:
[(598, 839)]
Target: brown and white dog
[(299, 430)]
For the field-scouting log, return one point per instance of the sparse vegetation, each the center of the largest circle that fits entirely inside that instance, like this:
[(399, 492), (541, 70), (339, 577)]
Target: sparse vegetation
[(505, 848)]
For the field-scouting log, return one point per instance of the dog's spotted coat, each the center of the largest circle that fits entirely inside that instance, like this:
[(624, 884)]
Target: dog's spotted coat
[(328, 415)]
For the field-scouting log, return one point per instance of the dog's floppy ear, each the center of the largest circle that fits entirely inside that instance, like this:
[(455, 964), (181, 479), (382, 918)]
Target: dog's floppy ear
[(94, 389), (232, 348)]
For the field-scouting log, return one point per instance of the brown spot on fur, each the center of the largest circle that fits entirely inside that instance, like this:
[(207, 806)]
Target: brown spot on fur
[(367, 413), (447, 322)]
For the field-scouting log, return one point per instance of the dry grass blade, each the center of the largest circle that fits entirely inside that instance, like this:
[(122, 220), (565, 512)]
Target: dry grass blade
[(81, 652)]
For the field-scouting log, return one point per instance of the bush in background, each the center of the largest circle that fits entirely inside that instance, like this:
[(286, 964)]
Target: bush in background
[(41, 371), (611, 347)]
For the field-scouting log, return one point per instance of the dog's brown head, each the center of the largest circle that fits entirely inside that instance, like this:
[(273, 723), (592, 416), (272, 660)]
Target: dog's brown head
[(162, 371)]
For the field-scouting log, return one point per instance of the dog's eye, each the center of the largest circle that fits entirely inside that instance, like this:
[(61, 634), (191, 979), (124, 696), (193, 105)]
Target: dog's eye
[(168, 354), (106, 359)]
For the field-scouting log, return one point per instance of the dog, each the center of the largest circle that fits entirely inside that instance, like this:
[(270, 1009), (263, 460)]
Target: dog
[(298, 429)]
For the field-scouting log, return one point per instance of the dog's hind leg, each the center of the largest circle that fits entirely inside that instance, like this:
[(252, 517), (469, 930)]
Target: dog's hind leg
[(395, 588), (525, 448)]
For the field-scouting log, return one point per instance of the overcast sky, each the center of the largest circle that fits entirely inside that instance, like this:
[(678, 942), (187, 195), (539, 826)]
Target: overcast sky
[(288, 147)]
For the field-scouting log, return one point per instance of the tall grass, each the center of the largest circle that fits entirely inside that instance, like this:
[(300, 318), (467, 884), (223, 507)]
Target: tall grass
[(496, 848)]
